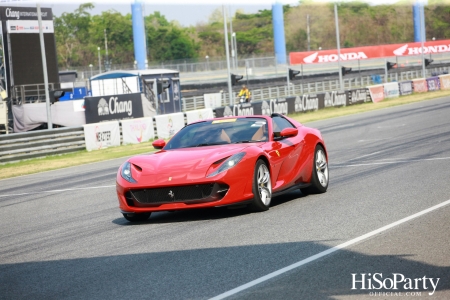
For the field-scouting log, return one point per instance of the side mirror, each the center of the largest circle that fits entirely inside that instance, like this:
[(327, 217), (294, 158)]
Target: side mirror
[(159, 144), (288, 132)]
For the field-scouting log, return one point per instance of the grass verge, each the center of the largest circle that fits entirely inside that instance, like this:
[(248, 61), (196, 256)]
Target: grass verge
[(83, 157)]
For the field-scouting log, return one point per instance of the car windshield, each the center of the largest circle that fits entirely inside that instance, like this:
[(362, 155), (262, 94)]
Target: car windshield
[(218, 132)]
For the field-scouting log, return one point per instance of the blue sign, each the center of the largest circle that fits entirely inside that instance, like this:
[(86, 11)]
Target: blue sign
[(78, 93)]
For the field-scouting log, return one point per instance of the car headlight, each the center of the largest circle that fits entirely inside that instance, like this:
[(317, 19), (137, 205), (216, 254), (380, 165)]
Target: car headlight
[(228, 163), (126, 172)]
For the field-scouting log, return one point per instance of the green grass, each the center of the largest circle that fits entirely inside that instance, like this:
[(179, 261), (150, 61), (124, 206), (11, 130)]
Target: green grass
[(83, 157)]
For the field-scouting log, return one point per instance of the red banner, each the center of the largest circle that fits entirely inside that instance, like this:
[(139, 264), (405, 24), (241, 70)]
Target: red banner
[(420, 85), (376, 93), (356, 53)]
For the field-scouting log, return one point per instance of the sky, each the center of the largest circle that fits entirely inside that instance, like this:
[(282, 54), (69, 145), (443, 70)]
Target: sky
[(187, 12)]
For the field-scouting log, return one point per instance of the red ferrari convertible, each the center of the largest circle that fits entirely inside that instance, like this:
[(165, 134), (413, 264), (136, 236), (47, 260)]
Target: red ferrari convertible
[(224, 162)]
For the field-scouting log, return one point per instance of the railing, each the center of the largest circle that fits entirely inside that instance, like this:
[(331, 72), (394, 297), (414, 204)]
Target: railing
[(41, 143), (197, 102)]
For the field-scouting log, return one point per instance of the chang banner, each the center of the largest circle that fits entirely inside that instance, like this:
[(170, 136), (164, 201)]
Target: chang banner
[(101, 135), (113, 107), (358, 96), (332, 99), (135, 131), (168, 125), (199, 114), (306, 103)]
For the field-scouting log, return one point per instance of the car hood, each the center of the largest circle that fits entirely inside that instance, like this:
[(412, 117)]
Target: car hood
[(181, 165)]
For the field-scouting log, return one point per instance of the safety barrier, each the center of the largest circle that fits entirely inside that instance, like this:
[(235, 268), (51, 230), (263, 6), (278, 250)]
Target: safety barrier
[(41, 143)]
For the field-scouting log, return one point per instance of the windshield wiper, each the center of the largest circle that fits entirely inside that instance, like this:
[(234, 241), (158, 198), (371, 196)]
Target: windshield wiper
[(248, 141), (210, 144)]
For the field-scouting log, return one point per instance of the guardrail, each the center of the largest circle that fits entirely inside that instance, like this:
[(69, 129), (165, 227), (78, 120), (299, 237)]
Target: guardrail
[(41, 143), (298, 88)]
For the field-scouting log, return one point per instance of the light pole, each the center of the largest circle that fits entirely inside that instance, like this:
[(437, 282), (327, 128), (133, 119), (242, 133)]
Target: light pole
[(338, 47), (227, 52), (99, 61), (107, 66), (236, 48), (90, 66)]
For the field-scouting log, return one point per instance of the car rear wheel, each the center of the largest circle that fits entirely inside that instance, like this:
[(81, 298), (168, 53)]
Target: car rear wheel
[(136, 217), (320, 176), (262, 187)]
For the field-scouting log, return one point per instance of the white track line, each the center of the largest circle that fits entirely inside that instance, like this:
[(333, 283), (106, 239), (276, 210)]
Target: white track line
[(339, 165), (55, 191), (326, 252)]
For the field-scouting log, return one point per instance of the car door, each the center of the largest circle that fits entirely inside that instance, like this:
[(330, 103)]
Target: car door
[(284, 154)]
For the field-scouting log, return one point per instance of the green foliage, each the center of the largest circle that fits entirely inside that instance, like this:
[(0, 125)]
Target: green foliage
[(168, 42), (78, 34)]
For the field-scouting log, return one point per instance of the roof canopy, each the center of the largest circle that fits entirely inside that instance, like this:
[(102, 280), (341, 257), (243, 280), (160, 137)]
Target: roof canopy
[(131, 73)]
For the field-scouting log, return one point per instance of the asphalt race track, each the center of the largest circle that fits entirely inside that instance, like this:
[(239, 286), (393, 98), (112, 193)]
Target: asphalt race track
[(386, 212)]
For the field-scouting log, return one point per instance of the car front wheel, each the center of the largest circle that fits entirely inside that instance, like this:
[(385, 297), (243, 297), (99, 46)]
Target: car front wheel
[(320, 176), (262, 187), (131, 217)]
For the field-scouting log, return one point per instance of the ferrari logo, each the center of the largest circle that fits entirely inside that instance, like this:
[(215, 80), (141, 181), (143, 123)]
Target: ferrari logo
[(278, 153), (170, 178), (171, 194)]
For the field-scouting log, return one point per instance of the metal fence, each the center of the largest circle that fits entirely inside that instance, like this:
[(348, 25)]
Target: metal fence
[(41, 143), (198, 102)]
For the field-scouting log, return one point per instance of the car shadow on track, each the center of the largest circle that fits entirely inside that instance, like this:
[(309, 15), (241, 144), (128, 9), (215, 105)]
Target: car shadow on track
[(203, 214)]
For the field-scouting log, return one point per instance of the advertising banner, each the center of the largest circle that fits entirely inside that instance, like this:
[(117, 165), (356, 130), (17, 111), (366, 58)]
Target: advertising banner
[(445, 81), (115, 107), (332, 99), (135, 131), (213, 100), (391, 90), (358, 96), (101, 135), (433, 84), (376, 93), (420, 85), (356, 53), (406, 87), (199, 114), (168, 125), (306, 103), (76, 93)]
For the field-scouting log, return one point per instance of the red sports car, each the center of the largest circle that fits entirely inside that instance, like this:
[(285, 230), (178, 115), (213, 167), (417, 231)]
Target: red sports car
[(224, 162)]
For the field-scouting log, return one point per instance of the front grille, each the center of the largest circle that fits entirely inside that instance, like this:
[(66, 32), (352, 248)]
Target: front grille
[(173, 194)]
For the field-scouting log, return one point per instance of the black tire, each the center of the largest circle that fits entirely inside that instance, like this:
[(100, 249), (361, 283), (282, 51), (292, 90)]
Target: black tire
[(136, 217), (262, 187), (318, 185)]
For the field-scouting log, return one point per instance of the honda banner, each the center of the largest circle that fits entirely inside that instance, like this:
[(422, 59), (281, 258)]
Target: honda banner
[(114, 107), (356, 53), (406, 87), (135, 131), (420, 85), (376, 92), (101, 135), (445, 81), (433, 84)]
